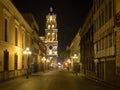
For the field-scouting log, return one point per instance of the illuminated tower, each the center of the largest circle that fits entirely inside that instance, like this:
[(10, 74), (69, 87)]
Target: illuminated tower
[(51, 36)]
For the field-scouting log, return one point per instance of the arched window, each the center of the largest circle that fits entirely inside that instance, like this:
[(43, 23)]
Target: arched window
[(22, 62), (16, 61), (6, 29), (6, 60)]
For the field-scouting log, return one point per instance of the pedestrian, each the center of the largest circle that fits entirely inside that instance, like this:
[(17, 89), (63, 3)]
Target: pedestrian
[(68, 69), (27, 74)]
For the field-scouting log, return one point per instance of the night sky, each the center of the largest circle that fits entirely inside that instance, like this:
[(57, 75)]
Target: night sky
[(70, 16)]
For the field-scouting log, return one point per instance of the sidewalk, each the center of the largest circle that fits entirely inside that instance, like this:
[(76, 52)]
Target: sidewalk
[(22, 78), (113, 84)]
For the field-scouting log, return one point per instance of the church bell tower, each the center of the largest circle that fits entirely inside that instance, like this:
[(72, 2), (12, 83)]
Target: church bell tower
[(51, 36)]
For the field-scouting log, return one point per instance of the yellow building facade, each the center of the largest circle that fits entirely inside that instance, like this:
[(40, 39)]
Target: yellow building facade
[(15, 36)]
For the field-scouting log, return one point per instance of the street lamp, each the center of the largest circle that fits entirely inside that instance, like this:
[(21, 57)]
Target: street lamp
[(69, 64), (69, 61), (44, 63), (75, 57), (27, 52), (47, 64)]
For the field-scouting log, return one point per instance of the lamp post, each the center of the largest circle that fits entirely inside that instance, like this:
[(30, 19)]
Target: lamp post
[(75, 57), (27, 52), (69, 64), (47, 66), (44, 63)]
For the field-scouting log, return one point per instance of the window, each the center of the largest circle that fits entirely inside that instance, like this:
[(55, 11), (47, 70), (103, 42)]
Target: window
[(103, 45), (48, 26), (16, 61), (110, 40), (23, 40), (97, 23), (110, 9), (16, 36), (95, 26), (6, 29), (98, 45), (106, 13), (6, 59), (53, 26), (93, 65), (106, 41), (88, 63), (102, 18), (22, 62)]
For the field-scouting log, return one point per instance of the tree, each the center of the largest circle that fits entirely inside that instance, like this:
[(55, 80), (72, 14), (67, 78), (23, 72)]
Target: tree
[(64, 54)]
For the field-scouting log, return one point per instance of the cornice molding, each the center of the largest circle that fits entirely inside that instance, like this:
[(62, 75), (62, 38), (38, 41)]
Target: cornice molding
[(12, 10)]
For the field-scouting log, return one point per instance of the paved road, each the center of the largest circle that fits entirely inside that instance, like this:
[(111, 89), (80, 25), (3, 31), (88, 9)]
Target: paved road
[(52, 80)]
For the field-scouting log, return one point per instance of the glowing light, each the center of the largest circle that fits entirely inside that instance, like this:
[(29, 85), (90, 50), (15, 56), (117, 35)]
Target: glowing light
[(50, 51), (68, 61), (48, 60), (27, 51), (50, 18), (48, 26), (43, 59), (59, 63), (55, 52), (75, 56), (52, 26)]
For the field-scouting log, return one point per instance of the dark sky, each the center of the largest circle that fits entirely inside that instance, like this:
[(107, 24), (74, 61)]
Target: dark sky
[(70, 16)]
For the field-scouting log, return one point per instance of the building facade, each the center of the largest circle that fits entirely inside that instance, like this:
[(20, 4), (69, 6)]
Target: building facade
[(100, 41), (75, 50), (104, 39), (15, 37), (51, 37), (87, 46), (34, 40), (42, 53)]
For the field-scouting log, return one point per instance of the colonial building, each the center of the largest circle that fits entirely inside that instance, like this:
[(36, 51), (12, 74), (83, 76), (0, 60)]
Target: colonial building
[(34, 40), (100, 41), (87, 46), (15, 37), (42, 53), (104, 39), (75, 51), (51, 37)]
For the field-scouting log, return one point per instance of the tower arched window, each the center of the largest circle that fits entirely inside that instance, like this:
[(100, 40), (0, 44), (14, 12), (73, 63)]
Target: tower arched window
[(48, 37), (53, 26), (53, 36), (48, 26), (51, 18)]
